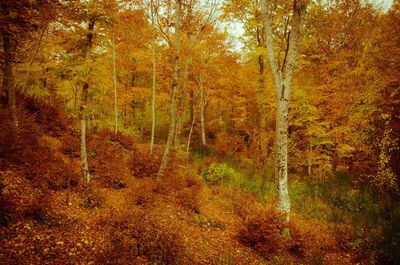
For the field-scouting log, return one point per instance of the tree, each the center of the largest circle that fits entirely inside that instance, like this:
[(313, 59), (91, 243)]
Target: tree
[(248, 13), (115, 84), (19, 19), (175, 83), (9, 77), (91, 13), (283, 77), (84, 103), (153, 85)]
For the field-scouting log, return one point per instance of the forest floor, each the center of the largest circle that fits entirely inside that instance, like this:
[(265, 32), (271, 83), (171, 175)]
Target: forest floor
[(127, 215)]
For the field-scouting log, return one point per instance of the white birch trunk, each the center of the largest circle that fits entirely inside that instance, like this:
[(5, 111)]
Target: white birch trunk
[(282, 155), (190, 132), (283, 78), (83, 109), (115, 87), (202, 116), (179, 123), (262, 99), (175, 84), (153, 89), (83, 119), (309, 160)]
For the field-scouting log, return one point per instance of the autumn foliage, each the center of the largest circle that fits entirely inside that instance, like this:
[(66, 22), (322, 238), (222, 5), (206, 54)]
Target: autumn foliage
[(124, 218), (102, 88)]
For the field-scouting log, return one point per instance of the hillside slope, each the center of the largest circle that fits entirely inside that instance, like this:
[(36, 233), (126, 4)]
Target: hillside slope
[(127, 216)]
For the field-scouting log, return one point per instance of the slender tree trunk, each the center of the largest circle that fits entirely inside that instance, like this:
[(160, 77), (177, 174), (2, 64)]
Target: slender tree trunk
[(9, 77), (83, 108), (203, 103), (181, 93), (28, 72), (153, 90), (261, 99), (175, 84), (190, 132), (3, 92), (83, 118), (283, 77), (125, 105), (309, 160), (282, 154), (115, 86), (191, 103), (262, 90), (261, 108)]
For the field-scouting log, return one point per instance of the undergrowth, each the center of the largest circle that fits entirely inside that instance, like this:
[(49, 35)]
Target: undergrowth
[(130, 216), (363, 222)]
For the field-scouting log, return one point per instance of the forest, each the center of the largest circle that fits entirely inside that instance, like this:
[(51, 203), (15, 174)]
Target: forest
[(200, 132)]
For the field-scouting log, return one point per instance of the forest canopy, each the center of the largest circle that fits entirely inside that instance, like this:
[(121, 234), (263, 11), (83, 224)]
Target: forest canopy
[(261, 126)]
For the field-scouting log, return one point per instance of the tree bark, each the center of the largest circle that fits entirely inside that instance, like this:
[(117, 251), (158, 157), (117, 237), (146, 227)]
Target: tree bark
[(203, 103), (83, 119), (309, 160), (182, 89), (153, 89), (191, 103), (9, 77), (261, 98), (283, 79), (83, 108), (281, 168), (115, 86), (190, 132), (28, 72), (175, 84)]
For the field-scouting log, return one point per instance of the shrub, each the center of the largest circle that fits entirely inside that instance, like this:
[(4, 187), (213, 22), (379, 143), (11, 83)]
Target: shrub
[(28, 149), (50, 118), (246, 205), (145, 164), (217, 173), (140, 237), (92, 199), (201, 151), (180, 190), (14, 142), (185, 189), (226, 144), (303, 242), (107, 161), (264, 234), (160, 246), (124, 140)]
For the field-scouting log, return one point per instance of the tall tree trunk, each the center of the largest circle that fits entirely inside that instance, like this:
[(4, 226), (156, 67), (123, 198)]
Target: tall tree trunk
[(191, 103), (283, 78), (261, 99), (309, 159), (28, 72), (115, 87), (83, 119), (175, 84), (261, 108), (282, 154), (83, 108), (181, 93), (203, 103), (125, 105), (190, 132), (9, 77), (153, 89)]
